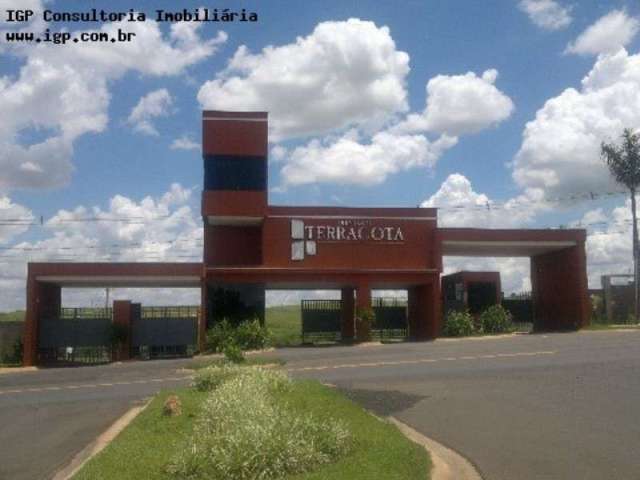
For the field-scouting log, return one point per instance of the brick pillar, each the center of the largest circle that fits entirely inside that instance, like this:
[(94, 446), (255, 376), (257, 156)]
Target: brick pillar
[(413, 312), (202, 318), (30, 336), (433, 307), (559, 290), (122, 315), (424, 311), (363, 301), (42, 298), (347, 322)]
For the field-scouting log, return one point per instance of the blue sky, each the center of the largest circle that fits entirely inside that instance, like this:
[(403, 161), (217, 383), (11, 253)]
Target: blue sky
[(522, 64)]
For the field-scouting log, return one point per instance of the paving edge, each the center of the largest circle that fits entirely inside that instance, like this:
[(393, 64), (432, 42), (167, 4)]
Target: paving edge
[(447, 464), (99, 444), (17, 369)]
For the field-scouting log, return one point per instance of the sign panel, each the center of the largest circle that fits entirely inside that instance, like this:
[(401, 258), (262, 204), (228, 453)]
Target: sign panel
[(307, 238)]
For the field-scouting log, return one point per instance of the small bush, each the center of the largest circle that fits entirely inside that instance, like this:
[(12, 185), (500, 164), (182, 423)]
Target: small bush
[(233, 353), (458, 324), (243, 433), (252, 336), (249, 335), (365, 319), (13, 357), (211, 377), (496, 319)]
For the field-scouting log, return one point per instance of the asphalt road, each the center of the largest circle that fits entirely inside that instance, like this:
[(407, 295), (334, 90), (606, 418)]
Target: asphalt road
[(560, 406), (49, 415)]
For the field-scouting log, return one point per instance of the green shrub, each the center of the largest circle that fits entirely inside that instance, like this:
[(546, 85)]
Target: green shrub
[(12, 355), (243, 433), (496, 319), (252, 336), (249, 335), (458, 324), (365, 319), (233, 353), (210, 378)]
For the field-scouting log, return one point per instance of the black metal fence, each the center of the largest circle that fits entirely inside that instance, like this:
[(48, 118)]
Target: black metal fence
[(520, 306), (390, 318), (75, 336), (321, 319), (164, 332)]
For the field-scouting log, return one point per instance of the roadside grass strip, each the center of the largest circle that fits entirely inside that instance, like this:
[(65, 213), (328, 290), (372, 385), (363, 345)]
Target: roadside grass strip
[(200, 363), (245, 423)]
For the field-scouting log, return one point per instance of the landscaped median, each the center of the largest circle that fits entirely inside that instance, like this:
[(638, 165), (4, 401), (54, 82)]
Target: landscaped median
[(250, 422)]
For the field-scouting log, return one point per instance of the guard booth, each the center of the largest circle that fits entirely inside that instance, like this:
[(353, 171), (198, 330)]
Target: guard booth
[(470, 291)]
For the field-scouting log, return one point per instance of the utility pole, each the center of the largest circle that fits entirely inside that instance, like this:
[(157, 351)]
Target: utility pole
[(636, 286)]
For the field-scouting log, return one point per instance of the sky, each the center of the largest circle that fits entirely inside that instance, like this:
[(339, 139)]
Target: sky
[(493, 111)]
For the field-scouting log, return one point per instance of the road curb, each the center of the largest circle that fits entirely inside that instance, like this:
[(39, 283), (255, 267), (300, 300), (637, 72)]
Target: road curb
[(99, 444), (447, 464), (18, 370)]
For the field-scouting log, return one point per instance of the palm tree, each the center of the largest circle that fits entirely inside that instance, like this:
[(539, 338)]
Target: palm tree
[(624, 164)]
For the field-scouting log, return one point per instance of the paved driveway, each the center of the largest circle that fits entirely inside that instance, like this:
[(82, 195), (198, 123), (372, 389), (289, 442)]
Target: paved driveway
[(559, 406)]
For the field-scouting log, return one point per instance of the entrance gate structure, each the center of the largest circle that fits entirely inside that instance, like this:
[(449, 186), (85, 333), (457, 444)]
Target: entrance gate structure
[(251, 246)]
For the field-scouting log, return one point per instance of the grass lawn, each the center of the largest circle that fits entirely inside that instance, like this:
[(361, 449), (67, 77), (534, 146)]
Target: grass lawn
[(608, 326), (380, 451), (17, 316), (285, 323)]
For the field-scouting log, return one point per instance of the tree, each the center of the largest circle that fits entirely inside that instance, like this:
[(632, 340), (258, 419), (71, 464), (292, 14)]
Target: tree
[(624, 164)]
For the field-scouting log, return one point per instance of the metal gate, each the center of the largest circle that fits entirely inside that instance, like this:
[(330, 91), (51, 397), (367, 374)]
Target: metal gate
[(164, 332), (391, 318), (75, 336), (321, 319)]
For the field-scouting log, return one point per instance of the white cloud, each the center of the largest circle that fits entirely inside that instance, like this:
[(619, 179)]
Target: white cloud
[(343, 74), (347, 160), (36, 24), (546, 14), (609, 241), (607, 35), (162, 229), (278, 153), (463, 207), (185, 142), (14, 219), (560, 152), (63, 92), (456, 105), (460, 104), (153, 105)]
